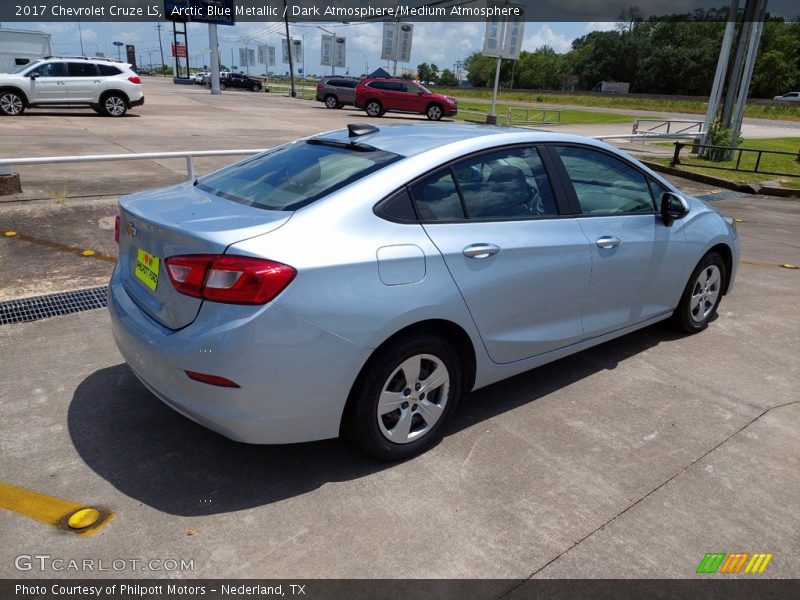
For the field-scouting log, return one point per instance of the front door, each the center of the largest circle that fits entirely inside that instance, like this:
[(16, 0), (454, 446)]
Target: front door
[(50, 86), (637, 261)]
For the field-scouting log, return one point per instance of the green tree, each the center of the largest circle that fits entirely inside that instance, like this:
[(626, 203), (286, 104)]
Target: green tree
[(447, 78), (481, 69), (426, 72)]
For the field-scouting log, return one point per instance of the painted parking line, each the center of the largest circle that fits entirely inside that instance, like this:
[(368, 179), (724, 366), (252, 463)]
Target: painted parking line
[(64, 514), (761, 263), (86, 252)]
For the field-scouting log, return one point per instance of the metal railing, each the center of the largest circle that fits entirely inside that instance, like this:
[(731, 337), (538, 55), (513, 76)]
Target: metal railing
[(650, 125), (189, 156), (644, 136), (528, 116), (710, 164)]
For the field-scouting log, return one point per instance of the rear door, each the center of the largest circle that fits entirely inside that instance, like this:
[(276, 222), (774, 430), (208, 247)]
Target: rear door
[(414, 98), (637, 261), (83, 82), (521, 264)]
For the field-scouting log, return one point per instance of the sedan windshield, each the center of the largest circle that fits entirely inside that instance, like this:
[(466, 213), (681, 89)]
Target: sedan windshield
[(295, 175)]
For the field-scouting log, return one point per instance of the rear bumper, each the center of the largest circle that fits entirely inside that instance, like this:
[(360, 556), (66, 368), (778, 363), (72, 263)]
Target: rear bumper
[(134, 103), (294, 376)]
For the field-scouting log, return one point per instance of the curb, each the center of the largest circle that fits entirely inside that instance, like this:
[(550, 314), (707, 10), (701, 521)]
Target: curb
[(747, 188)]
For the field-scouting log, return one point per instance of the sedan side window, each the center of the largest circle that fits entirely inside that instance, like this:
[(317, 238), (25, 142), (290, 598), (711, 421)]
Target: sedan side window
[(437, 198), (605, 184), (505, 185), (55, 69)]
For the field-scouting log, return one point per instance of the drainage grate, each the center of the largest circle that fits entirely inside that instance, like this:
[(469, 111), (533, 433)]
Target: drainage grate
[(52, 305)]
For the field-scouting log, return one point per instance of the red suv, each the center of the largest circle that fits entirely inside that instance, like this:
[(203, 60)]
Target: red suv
[(377, 96)]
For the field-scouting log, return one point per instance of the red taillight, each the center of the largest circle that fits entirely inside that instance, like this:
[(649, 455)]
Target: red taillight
[(320, 86), (212, 379), (134, 79), (116, 229), (227, 278)]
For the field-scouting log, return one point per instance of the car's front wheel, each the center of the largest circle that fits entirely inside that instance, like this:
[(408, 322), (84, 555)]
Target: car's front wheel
[(702, 295), (11, 104), (331, 101), (403, 398), (222, 86), (114, 105), (434, 112), (256, 87), (374, 108)]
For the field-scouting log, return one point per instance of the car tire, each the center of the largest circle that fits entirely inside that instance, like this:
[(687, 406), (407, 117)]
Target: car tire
[(403, 397), (11, 103), (373, 108), (434, 112), (256, 87), (222, 86), (331, 101), (702, 295), (114, 105)]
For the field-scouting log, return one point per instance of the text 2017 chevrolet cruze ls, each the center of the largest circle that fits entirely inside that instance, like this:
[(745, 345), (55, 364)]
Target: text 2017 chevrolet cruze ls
[(360, 281)]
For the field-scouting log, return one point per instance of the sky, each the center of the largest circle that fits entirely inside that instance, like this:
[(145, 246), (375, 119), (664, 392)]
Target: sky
[(439, 43)]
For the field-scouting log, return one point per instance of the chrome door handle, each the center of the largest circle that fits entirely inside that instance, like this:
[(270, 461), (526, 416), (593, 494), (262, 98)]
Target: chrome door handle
[(481, 250), (608, 242)]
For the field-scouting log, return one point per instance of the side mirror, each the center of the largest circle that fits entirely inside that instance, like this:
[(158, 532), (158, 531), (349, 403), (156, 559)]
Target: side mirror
[(673, 207), (34, 75)]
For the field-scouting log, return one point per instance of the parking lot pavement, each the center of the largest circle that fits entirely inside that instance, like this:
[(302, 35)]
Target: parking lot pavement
[(631, 459)]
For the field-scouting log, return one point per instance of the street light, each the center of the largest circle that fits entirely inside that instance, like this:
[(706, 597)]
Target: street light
[(366, 65)]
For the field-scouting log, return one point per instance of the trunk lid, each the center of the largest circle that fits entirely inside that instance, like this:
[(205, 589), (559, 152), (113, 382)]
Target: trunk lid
[(173, 221)]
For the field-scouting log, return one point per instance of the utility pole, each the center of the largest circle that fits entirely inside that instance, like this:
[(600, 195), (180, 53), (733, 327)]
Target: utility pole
[(289, 49), (213, 43), (80, 34), (161, 47)]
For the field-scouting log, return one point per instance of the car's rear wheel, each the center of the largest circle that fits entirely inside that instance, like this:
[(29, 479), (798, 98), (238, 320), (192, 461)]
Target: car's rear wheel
[(222, 86), (434, 112), (331, 101), (403, 398), (114, 105), (702, 295), (11, 104), (374, 108), (256, 87)]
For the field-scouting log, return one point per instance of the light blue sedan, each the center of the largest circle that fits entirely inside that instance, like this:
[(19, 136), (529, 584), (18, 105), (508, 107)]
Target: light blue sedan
[(359, 282)]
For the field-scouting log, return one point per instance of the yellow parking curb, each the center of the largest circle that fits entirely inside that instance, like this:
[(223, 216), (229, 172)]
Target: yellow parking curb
[(64, 514)]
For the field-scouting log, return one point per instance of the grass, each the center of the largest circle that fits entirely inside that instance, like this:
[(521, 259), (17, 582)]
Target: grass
[(568, 116), (775, 163), (767, 111)]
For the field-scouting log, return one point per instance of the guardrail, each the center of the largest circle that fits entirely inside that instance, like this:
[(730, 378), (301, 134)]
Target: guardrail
[(710, 164), (651, 136), (8, 163), (536, 116)]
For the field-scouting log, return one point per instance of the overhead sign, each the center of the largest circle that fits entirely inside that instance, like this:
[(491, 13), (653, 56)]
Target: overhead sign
[(512, 29), (396, 44)]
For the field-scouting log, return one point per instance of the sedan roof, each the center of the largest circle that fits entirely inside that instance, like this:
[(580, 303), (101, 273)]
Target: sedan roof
[(410, 140)]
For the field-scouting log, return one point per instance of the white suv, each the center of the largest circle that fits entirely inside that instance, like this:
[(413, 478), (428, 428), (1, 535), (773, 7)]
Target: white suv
[(108, 86)]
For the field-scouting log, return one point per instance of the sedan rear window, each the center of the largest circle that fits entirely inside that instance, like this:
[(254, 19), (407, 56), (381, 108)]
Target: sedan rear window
[(295, 175)]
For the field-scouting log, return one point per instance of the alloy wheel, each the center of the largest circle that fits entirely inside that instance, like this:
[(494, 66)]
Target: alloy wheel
[(11, 104), (705, 293), (413, 398), (115, 106)]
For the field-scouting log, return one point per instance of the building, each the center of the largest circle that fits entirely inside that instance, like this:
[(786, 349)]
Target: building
[(19, 47)]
